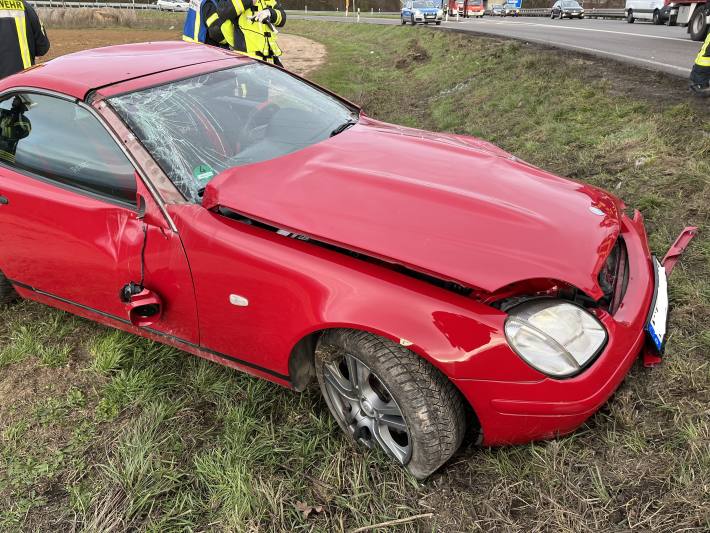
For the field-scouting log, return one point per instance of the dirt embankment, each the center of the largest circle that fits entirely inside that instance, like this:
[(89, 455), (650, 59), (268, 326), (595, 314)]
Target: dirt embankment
[(300, 55)]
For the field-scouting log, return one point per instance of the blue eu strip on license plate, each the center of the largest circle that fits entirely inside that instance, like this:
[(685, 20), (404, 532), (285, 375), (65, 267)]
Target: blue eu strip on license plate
[(658, 318)]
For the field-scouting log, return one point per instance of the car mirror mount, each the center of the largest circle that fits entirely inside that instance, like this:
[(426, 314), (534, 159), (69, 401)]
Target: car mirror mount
[(143, 306), (141, 206)]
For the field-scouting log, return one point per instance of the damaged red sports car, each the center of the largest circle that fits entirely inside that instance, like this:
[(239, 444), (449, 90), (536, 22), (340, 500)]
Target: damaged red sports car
[(428, 282)]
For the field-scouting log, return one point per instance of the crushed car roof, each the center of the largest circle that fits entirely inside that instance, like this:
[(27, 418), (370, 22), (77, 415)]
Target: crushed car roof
[(80, 73)]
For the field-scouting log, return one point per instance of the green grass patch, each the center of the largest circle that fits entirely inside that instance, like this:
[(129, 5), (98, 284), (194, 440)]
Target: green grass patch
[(119, 433)]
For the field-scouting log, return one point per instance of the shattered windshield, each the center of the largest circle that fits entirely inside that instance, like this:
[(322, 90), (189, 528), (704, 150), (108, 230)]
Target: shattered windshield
[(198, 127)]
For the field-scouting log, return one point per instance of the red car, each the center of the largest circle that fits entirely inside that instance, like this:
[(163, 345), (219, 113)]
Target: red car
[(229, 208)]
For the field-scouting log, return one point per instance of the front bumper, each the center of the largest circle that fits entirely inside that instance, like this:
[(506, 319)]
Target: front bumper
[(427, 18), (669, 11), (517, 412)]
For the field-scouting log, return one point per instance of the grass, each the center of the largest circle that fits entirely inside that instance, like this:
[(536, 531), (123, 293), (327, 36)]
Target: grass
[(100, 431)]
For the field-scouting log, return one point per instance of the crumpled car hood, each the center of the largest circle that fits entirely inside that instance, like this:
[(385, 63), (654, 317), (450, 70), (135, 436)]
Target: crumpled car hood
[(447, 205)]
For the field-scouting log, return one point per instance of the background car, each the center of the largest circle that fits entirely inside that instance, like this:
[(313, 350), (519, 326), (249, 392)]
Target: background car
[(172, 5), (421, 11), (497, 10), (140, 190), (567, 8), (656, 11)]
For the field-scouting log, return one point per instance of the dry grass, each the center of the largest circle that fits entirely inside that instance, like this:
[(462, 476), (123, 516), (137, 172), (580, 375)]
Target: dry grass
[(87, 18)]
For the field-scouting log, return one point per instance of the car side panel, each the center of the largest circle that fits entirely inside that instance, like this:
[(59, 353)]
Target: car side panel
[(294, 288), (82, 250), (65, 243)]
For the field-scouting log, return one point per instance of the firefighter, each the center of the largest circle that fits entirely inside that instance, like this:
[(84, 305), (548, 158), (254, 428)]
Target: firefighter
[(700, 75), (206, 26), (254, 23), (14, 126), (22, 37)]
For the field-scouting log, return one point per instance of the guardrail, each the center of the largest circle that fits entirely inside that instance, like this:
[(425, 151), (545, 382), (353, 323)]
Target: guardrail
[(588, 13), (539, 12), (115, 5)]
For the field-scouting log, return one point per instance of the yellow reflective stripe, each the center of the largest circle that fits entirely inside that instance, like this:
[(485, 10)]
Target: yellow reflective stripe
[(196, 34), (278, 17), (188, 39), (210, 20), (7, 156), (703, 59), (22, 40), (238, 6), (227, 29)]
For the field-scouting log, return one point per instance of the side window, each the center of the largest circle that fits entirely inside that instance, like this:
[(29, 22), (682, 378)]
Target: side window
[(63, 142)]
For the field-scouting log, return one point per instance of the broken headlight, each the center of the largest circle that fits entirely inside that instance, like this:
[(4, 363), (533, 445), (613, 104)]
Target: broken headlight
[(553, 336)]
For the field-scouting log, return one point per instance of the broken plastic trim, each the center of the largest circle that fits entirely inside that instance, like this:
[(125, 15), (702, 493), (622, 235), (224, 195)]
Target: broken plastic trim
[(432, 280)]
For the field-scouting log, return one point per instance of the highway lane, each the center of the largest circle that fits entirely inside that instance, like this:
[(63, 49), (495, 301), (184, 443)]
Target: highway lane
[(662, 48)]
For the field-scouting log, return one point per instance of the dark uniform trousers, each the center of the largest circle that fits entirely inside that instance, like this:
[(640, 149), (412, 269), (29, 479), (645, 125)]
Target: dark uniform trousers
[(700, 75)]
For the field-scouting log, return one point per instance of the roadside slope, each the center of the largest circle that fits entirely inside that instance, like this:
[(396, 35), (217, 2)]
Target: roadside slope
[(102, 431)]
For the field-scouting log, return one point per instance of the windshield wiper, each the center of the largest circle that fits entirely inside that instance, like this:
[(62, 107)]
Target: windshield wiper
[(343, 127)]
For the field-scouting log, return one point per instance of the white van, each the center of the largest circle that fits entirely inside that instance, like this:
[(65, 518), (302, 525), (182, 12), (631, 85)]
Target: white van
[(657, 11)]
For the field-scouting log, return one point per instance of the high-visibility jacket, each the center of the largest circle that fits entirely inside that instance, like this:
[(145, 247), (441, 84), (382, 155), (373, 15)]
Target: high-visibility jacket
[(703, 59), (249, 36), (203, 24), (22, 36)]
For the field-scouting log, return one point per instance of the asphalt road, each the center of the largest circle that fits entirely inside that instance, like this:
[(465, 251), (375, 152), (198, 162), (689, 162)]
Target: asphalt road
[(663, 48)]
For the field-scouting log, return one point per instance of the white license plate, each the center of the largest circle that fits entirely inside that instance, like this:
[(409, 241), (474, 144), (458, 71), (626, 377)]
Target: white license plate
[(658, 319)]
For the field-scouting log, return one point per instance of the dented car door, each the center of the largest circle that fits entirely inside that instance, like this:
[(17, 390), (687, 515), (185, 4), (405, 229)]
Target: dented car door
[(73, 231)]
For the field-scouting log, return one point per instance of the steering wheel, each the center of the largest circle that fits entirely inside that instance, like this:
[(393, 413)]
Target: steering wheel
[(257, 121), (202, 120)]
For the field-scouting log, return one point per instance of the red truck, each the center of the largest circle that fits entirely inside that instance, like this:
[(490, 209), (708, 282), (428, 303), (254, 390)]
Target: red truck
[(696, 14), (466, 8)]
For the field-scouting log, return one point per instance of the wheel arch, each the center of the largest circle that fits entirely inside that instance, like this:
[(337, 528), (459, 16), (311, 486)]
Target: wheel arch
[(301, 358), (301, 366), (461, 342)]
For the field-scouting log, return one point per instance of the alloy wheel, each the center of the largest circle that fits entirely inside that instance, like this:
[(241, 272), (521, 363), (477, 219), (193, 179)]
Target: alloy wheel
[(366, 408)]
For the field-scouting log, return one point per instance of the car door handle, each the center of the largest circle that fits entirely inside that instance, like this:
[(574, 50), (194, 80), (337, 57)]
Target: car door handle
[(4, 200)]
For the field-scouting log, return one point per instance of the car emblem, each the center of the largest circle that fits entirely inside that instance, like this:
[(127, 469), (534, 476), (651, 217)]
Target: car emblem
[(596, 211)]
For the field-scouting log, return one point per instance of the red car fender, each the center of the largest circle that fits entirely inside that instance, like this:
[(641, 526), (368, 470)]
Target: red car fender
[(294, 289), (459, 346)]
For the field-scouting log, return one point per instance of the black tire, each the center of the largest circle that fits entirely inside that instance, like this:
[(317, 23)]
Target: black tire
[(414, 23), (630, 16), (657, 18), (438, 23), (697, 28), (431, 407), (7, 292), (672, 21)]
